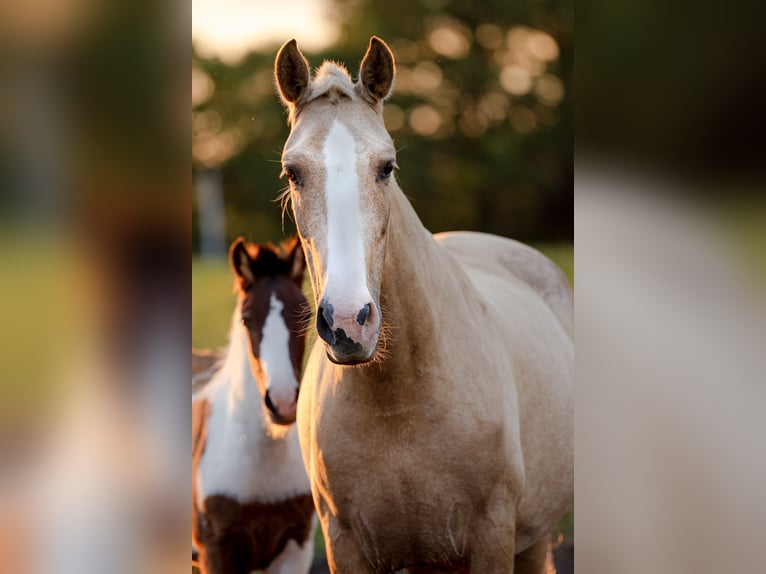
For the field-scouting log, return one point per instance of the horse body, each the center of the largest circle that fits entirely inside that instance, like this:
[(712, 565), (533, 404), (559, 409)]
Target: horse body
[(251, 505), (418, 459), (435, 414)]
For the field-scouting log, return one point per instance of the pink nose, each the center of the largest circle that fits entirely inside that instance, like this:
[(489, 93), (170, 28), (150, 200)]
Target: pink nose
[(281, 406), (351, 332)]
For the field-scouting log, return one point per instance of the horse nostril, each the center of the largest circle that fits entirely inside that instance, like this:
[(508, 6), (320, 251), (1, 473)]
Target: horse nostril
[(269, 404), (326, 312), (325, 323), (361, 318)]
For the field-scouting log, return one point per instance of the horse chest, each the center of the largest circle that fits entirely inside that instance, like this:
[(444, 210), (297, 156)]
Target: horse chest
[(400, 521), (241, 462), (405, 494)]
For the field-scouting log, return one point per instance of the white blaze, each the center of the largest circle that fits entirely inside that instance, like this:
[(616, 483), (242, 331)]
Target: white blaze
[(275, 354), (346, 269)]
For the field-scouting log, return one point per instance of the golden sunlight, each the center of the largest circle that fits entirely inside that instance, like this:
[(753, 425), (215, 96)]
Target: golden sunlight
[(229, 29), (449, 38), (425, 120), (515, 80), (202, 87)]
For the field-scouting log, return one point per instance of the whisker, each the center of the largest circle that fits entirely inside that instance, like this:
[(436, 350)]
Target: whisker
[(304, 319), (284, 198), (385, 337)]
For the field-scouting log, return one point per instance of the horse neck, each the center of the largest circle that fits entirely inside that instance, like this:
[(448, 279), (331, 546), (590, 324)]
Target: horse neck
[(238, 386), (425, 295)]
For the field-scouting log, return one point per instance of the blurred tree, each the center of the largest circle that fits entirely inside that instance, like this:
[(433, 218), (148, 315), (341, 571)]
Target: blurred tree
[(481, 114)]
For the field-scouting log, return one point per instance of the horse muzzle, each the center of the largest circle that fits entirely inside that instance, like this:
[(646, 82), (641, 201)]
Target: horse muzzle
[(349, 332), (281, 406)]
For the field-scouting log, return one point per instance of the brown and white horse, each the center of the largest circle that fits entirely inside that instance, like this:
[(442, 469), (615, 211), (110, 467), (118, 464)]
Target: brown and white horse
[(436, 411), (251, 501)]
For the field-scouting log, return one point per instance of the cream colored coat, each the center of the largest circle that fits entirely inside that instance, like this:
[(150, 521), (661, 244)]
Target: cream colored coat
[(458, 448), (450, 447)]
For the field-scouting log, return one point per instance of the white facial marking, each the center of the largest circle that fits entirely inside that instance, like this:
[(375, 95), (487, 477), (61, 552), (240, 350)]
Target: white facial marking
[(275, 354), (346, 268)]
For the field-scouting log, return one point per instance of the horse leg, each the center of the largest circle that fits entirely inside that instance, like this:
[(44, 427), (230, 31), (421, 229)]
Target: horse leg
[(484, 561), (494, 542), (294, 559), (536, 559), (344, 555)]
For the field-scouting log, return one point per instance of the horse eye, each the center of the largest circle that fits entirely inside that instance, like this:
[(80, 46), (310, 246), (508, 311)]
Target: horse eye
[(292, 175), (385, 171), (246, 321)]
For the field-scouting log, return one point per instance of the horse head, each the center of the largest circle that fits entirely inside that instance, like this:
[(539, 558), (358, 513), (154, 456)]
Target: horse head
[(339, 160), (272, 307)]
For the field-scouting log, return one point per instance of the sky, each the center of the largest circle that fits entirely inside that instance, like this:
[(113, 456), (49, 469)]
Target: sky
[(229, 29)]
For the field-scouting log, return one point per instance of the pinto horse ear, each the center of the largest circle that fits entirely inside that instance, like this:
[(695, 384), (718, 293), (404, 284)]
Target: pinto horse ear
[(291, 70), (241, 264), (376, 74), (297, 262)]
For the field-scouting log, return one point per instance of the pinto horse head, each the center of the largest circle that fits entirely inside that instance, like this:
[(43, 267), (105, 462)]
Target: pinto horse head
[(272, 311), (339, 160)]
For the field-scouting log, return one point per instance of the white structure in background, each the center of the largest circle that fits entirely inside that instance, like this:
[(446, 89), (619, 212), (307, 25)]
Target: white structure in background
[(212, 224)]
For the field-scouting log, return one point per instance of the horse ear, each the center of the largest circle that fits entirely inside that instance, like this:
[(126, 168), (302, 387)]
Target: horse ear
[(297, 262), (240, 262), (291, 70), (376, 74)]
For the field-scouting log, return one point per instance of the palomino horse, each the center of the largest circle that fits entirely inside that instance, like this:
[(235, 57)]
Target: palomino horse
[(251, 500), (436, 411)]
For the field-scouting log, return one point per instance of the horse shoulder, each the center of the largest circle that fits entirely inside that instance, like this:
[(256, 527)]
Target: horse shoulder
[(495, 254)]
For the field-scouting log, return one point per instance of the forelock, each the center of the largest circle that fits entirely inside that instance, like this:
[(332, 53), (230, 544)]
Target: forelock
[(267, 261), (333, 81)]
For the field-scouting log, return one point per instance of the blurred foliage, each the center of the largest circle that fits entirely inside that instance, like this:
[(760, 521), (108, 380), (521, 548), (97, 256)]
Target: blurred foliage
[(481, 115)]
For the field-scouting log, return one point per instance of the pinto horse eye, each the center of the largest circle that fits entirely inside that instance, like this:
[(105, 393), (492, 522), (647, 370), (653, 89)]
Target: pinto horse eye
[(385, 171), (247, 322)]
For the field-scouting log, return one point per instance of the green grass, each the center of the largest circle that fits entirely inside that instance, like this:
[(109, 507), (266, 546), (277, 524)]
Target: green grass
[(213, 302)]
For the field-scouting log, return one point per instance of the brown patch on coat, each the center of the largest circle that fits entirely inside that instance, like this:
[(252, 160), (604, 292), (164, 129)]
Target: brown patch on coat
[(200, 414), (243, 537)]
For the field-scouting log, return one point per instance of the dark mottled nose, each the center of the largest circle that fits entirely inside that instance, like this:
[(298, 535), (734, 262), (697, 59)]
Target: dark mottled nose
[(325, 322), (361, 318), (270, 405)]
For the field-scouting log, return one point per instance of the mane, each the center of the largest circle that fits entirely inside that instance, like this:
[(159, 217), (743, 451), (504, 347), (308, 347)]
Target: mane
[(332, 81), (266, 261), (234, 365)]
